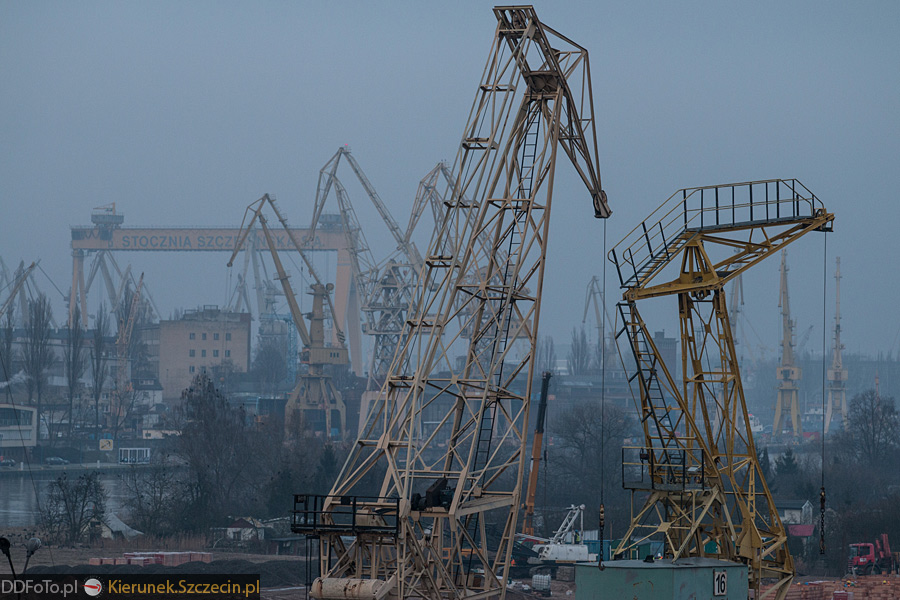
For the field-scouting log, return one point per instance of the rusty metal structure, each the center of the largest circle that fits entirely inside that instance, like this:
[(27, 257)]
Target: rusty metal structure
[(446, 437), (705, 492)]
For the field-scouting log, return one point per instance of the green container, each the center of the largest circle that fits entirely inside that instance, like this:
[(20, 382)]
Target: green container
[(687, 578)]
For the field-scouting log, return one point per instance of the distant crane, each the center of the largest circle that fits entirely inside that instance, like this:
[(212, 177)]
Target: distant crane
[(123, 344), (537, 444), (314, 390), (788, 372), (16, 282), (837, 374), (383, 287)]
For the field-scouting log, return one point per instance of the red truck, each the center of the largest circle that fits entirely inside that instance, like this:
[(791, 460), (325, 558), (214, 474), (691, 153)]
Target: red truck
[(866, 559)]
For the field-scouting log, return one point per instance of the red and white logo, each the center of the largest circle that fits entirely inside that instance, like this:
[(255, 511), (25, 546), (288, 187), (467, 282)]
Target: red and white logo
[(92, 587)]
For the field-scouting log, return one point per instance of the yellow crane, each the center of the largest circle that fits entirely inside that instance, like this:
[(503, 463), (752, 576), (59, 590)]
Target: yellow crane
[(314, 390), (837, 374), (788, 372), (705, 491)]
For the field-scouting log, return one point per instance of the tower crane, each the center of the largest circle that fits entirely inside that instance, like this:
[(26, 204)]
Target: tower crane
[(326, 176), (705, 491), (116, 293), (788, 372), (837, 374), (447, 436), (429, 194), (314, 390), (383, 288)]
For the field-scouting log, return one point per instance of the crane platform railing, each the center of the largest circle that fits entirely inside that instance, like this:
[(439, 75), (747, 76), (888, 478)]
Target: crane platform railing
[(650, 246), (648, 469), (315, 514)]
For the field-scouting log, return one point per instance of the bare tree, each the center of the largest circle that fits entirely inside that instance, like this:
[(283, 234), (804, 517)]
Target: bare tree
[(71, 508), (37, 354), (873, 426), (74, 360), (98, 360), (586, 461), (7, 333), (228, 460), (579, 353), (269, 367), (545, 355), (152, 498)]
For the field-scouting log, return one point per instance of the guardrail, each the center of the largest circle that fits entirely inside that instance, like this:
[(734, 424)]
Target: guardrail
[(650, 245), (661, 469), (346, 515)]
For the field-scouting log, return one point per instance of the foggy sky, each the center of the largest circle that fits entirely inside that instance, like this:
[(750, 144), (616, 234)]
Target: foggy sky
[(184, 113)]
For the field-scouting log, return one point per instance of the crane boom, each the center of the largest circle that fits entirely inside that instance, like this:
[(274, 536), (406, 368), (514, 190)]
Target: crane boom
[(19, 282)]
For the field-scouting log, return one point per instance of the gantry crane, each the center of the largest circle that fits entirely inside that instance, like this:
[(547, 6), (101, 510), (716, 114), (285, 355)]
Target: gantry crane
[(447, 436), (837, 374), (705, 492), (314, 390), (788, 372)]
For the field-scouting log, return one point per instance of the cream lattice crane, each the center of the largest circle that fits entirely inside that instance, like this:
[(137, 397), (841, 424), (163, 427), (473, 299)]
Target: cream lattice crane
[(706, 495), (447, 437)]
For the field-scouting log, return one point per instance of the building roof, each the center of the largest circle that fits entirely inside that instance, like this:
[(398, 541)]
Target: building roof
[(801, 530)]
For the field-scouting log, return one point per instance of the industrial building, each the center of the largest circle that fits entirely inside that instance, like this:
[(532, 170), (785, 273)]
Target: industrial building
[(198, 341)]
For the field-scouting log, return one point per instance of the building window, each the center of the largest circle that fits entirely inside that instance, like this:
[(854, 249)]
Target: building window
[(228, 354), (215, 353), (203, 353), (192, 335), (227, 337), (192, 353), (192, 368), (215, 336), (204, 335)]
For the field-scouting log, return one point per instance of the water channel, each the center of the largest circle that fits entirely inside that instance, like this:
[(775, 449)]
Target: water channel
[(19, 493)]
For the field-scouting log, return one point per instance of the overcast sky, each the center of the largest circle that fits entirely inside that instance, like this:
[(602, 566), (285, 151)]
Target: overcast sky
[(182, 113)]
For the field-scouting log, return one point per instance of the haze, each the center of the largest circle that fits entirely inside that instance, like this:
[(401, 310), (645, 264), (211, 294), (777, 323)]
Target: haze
[(184, 113)]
